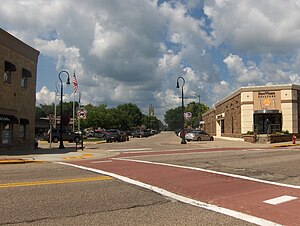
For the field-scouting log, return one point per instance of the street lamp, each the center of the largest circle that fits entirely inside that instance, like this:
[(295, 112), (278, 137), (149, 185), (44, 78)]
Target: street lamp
[(61, 143), (183, 141)]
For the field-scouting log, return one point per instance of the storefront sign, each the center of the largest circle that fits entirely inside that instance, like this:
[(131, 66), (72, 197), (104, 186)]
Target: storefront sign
[(267, 100)]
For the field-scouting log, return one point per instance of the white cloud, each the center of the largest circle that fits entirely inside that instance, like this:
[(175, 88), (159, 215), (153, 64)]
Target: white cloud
[(133, 51), (45, 96), (254, 25)]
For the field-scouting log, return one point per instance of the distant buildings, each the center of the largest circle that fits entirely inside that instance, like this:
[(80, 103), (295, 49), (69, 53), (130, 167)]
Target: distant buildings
[(18, 67), (259, 109), (151, 110)]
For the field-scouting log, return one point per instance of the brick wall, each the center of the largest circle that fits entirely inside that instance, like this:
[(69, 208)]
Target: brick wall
[(14, 99)]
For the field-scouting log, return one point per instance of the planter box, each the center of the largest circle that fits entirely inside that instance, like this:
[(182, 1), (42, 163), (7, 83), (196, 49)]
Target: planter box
[(250, 138), (280, 138)]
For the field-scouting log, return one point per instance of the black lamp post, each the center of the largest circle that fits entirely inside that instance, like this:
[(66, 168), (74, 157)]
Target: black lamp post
[(183, 141), (61, 143)]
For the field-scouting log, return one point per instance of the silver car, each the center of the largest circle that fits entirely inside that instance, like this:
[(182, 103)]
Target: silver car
[(198, 135)]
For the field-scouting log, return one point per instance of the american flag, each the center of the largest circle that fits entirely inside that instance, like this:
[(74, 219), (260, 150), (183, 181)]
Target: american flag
[(75, 84)]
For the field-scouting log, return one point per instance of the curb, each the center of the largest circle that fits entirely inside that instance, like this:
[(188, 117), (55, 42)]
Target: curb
[(284, 145), (18, 161)]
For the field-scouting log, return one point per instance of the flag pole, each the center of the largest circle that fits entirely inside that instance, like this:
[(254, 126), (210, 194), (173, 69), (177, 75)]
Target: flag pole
[(79, 97)]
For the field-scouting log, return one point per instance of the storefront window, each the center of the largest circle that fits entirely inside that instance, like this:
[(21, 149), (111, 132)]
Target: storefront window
[(6, 133), (22, 135)]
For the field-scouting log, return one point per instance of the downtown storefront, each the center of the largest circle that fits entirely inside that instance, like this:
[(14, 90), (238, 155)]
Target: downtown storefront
[(18, 64), (255, 109)]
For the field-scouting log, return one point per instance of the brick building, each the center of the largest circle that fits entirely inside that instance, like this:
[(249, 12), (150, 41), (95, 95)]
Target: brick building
[(18, 64), (260, 109)]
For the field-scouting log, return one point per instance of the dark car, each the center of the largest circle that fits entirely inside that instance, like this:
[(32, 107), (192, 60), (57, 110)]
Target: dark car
[(139, 133), (66, 135), (100, 134), (124, 136), (113, 135)]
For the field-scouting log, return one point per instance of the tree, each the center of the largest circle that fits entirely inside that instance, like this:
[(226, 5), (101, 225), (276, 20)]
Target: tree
[(173, 118), (151, 122), (127, 116), (44, 110)]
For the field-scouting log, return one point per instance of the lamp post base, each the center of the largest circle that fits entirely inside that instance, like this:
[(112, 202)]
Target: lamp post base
[(61, 146)]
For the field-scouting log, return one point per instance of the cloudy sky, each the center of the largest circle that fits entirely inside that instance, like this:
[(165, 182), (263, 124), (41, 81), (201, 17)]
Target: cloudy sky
[(133, 51)]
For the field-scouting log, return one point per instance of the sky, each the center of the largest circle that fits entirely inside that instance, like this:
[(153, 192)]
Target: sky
[(134, 51)]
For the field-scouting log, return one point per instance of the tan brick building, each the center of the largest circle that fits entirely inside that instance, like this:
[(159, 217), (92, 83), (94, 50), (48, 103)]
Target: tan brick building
[(261, 109), (18, 64)]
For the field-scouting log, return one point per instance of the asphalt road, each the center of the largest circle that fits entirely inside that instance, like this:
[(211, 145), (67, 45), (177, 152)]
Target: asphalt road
[(65, 195)]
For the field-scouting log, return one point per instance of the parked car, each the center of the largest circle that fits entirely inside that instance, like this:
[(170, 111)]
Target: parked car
[(124, 136), (66, 135), (100, 134), (198, 135), (113, 135), (141, 133)]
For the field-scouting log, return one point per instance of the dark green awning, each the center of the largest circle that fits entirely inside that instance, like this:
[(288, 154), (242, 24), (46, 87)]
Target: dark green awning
[(9, 119), (9, 66), (26, 73)]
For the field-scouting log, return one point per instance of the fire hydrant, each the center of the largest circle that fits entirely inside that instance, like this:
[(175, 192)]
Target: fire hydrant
[(294, 139)]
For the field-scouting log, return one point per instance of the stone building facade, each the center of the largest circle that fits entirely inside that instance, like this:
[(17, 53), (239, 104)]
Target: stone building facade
[(18, 64), (259, 109)]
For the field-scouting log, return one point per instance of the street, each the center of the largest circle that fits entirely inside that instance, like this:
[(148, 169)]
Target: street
[(54, 192)]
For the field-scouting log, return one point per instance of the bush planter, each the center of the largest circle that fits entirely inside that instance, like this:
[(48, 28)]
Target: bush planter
[(250, 138), (276, 138)]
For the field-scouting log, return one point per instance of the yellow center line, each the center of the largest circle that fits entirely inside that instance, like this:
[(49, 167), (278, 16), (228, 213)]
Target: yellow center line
[(46, 182)]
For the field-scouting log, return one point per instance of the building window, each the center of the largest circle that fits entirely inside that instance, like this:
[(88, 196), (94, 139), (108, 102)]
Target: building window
[(7, 77), (8, 68), (24, 82), (24, 79), (22, 135), (22, 132), (6, 133)]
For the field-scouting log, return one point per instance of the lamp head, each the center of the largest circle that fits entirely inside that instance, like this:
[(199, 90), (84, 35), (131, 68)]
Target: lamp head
[(177, 86), (68, 80)]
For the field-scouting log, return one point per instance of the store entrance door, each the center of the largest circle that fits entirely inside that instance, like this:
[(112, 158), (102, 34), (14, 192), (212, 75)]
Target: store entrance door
[(267, 123)]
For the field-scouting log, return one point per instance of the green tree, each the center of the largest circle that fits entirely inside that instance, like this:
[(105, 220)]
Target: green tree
[(173, 118), (127, 116), (151, 122), (44, 110)]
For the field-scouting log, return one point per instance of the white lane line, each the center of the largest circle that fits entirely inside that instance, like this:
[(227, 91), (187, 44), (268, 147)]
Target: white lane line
[(102, 161), (210, 171), (132, 149), (180, 198), (279, 200)]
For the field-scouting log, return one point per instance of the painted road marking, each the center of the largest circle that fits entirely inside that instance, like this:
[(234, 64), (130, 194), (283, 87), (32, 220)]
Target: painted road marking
[(132, 149), (279, 200), (180, 198), (210, 171), (84, 156), (47, 182), (102, 161)]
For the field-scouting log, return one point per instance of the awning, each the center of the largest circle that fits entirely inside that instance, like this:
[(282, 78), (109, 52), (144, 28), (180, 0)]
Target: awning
[(9, 118), (26, 73), (24, 121), (267, 112), (9, 66)]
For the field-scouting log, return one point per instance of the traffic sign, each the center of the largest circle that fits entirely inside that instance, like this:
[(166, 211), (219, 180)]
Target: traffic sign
[(82, 113)]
